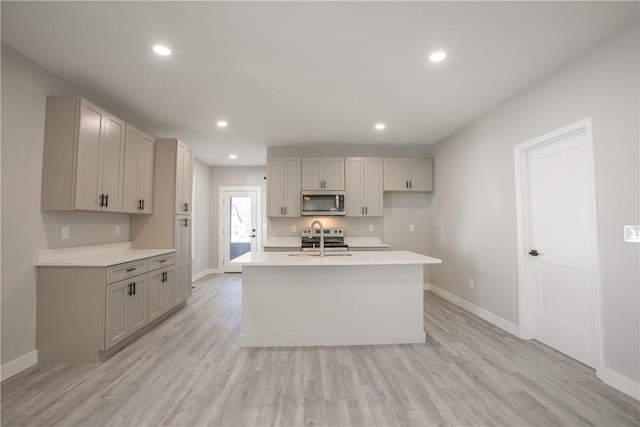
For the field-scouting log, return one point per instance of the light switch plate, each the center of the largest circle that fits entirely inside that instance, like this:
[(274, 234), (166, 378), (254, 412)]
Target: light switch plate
[(632, 233), (370, 227), (65, 232), (411, 227), (294, 228), (117, 229)]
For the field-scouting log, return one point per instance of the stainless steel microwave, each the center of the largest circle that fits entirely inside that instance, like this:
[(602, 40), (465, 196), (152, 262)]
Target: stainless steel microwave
[(322, 203)]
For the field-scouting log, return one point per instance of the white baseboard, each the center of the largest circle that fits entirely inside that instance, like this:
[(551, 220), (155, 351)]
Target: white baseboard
[(504, 324), (18, 365), (200, 275), (621, 383)]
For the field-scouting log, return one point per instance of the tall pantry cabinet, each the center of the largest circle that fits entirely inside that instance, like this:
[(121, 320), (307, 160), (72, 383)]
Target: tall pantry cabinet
[(169, 226)]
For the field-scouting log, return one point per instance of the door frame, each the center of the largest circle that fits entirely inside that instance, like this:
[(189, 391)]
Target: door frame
[(522, 187), (222, 190)]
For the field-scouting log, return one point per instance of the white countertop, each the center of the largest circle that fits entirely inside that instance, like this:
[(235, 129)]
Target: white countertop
[(356, 258), (94, 256)]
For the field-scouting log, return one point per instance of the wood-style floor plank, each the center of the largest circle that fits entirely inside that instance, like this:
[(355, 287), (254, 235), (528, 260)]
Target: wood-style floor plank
[(190, 371)]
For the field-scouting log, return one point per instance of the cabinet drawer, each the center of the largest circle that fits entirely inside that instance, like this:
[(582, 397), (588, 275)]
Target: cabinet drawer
[(126, 270), (161, 261)]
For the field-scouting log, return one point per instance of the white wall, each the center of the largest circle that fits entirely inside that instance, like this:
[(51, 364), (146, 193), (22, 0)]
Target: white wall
[(252, 176), (25, 228), (201, 216), (472, 214)]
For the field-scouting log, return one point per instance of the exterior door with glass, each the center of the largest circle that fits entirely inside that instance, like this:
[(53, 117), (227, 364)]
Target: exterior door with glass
[(240, 231)]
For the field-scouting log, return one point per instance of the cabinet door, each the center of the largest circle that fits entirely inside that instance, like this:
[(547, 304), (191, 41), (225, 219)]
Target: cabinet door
[(146, 151), (87, 180), (130, 193), (354, 184), (126, 308), (182, 284), (179, 208), (153, 295), (292, 192), (178, 286), (186, 280), (177, 237), (421, 174), (116, 312), (112, 164), (372, 188), (275, 187), (166, 290), (187, 179), (136, 304), (395, 175), (312, 174), (333, 173), (185, 238)]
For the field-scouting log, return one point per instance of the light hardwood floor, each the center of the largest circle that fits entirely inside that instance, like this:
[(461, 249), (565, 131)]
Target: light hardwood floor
[(189, 371)]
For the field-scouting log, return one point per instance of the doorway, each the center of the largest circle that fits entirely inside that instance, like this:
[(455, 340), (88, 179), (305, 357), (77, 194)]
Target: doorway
[(559, 293), (240, 224)]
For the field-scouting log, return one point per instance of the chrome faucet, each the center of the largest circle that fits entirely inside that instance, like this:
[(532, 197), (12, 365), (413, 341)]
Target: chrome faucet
[(321, 236)]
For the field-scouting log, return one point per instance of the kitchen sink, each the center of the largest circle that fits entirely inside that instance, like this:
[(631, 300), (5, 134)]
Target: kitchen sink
[(318, 254)]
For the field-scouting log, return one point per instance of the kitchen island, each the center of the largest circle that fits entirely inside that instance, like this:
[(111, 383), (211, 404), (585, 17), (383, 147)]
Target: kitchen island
[(343, 298)]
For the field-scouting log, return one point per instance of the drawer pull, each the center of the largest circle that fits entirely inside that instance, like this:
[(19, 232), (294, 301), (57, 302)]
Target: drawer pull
[(163, 260), (131, 269)]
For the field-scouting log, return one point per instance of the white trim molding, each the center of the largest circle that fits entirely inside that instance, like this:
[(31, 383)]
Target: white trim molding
[(203, 273), (222, 190), (496, 320), (525, 297), (621, 383), (18, 365)]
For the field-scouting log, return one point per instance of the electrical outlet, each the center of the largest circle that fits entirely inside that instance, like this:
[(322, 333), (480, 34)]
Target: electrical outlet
[(370, 227), (294, 228), (411, 227), (471, 284), (632, 233), (65, 232), (117, 229)]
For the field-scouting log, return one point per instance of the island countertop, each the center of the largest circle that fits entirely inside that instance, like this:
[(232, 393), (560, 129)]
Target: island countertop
[(333, 258)]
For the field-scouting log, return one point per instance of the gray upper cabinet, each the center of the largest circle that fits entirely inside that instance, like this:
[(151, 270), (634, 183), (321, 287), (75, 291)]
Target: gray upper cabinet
[(184, 178), (283, 186), (408, 175), (138, 172), (363, 180), (83, 158), (323, 173)]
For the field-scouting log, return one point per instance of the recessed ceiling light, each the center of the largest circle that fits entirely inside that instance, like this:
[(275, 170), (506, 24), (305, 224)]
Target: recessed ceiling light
[(380, 126), (437, 56), (162, 50), (233, 156), (221, 124)]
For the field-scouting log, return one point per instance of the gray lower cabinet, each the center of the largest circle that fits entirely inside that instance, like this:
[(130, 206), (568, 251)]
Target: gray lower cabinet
[(83, 312), (160, 294), (126, 308)]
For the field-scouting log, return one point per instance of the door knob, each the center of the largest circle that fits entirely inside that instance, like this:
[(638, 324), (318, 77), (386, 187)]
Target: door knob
[(534, 252), (252, 235)]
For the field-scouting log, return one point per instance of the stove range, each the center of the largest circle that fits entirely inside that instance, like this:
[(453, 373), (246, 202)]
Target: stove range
[(333, 239)]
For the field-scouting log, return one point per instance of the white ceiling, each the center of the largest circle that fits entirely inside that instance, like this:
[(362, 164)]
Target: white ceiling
[(303, 73)]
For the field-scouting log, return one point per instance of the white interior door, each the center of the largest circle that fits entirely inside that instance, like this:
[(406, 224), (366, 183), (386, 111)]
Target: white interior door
[(561, 246), (241, 230)]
